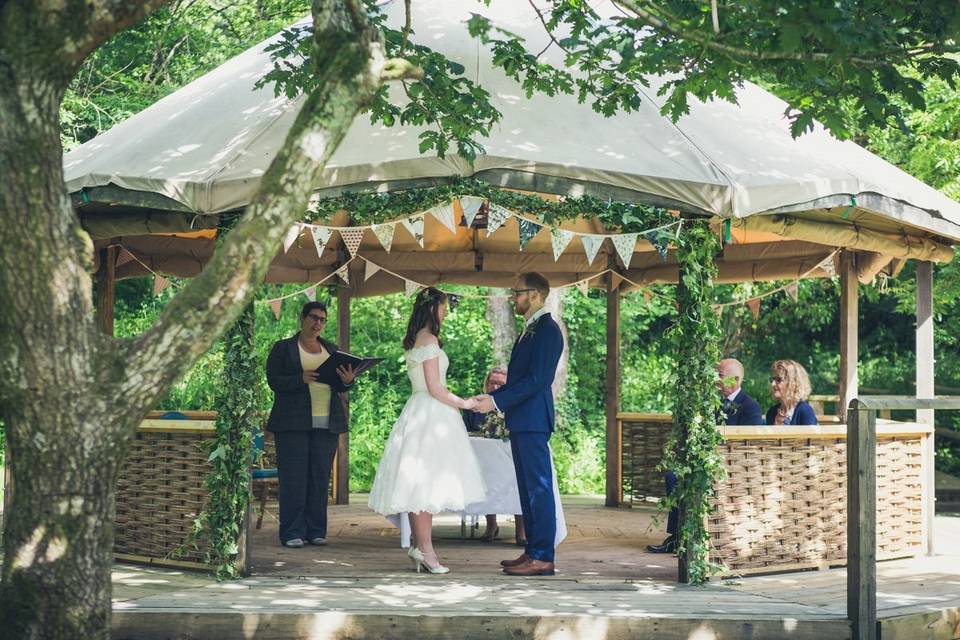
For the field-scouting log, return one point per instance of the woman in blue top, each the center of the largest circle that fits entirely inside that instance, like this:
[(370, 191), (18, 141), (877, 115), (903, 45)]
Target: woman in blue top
[(790, 387)]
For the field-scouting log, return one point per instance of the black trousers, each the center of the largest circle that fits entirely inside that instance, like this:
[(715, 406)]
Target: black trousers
[(304, 462)]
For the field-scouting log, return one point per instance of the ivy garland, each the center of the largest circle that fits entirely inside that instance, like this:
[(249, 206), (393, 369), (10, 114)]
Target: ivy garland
[(692, 450), (373, 208)]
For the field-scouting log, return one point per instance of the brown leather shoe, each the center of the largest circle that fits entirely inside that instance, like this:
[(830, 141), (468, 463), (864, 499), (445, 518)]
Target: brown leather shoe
[(531, 567), (516, 561)]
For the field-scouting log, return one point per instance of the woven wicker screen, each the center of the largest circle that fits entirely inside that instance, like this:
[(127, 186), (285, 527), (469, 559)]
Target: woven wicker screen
[(643, 442)]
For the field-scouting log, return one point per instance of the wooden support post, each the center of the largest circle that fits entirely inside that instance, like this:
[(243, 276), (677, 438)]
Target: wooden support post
[(862, 521), (849, 310), (342, 471), (925, 389), (106, 289), (614, 480)]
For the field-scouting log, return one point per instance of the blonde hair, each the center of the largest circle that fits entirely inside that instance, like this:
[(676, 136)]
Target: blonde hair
[(796, 382)]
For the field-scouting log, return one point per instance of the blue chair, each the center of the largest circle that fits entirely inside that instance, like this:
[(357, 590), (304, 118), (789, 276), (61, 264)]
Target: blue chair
[(261, 478)]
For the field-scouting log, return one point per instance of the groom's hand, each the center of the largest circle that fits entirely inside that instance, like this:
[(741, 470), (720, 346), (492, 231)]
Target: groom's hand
[(484, 404)]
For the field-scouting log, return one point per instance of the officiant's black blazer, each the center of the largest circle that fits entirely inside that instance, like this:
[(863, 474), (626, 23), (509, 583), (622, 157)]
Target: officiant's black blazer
[(291, 400)]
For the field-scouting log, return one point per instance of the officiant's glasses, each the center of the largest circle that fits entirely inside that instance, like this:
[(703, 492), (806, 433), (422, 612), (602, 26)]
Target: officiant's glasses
[(316, 318)]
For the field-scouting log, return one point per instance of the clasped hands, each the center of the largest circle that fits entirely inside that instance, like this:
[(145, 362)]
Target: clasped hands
[(482, 403)]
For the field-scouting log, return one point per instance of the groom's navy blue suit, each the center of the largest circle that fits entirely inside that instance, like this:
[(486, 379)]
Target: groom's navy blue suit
[(527, 403)]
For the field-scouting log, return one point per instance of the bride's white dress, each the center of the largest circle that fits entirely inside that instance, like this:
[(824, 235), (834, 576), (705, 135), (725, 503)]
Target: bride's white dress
[(428, 463)]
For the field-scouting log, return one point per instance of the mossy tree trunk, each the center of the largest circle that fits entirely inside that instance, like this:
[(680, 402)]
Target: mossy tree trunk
[(72, 397)]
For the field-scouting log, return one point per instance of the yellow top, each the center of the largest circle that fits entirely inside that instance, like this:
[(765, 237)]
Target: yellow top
[(319, 393)]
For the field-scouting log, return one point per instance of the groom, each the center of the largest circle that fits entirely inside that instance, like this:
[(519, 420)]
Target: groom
[(526, 401)]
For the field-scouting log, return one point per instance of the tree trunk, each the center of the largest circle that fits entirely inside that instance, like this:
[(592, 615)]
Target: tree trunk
[(503, 322), (70, 396)]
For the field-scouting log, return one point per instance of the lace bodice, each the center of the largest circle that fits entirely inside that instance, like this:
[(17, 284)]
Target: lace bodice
[(415, 358)]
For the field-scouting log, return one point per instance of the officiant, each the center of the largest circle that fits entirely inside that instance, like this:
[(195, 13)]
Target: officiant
[(308, 415)]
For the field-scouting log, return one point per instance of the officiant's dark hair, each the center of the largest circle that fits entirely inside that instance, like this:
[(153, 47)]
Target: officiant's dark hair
[(425, 314)]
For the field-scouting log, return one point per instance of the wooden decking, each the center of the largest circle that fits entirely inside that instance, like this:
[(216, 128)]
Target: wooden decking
[(361, 586)]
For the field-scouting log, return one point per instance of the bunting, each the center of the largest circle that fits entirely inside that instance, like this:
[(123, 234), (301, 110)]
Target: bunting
[(470, 205), (828, 267), (384, 233), (410, 287), (311, 293), (414, 224), (528, 229), (591, 244), (754, 305), (321, 236), (444, 214), (660, 240), (559, 238), (583, 286), (625, 244), (344, 273), (123, 257), (159, 283), (369, 270), (352, 238), (616, 279), (291, 236), (793, 291), (647, 296), (497, 216), (276, 305)]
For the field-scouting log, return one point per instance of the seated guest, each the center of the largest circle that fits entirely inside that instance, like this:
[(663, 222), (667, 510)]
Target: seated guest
[(738, 409), (491, 425), (790, 387)]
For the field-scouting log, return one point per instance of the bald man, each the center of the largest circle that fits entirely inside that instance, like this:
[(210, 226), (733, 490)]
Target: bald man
[(738, 409)]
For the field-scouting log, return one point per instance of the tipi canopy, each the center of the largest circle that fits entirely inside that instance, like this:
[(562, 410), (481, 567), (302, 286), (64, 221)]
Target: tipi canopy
[(202, 150)]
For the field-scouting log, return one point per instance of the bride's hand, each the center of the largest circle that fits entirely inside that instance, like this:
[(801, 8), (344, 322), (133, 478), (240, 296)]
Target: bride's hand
[(468, 403)]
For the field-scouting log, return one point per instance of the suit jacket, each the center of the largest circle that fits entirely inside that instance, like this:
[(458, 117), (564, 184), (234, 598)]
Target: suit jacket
[(744, 411), (291, 396), (802, 414), (526, 400)]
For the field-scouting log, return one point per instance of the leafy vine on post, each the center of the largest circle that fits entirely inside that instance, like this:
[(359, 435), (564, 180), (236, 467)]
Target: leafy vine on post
[(692, 450)]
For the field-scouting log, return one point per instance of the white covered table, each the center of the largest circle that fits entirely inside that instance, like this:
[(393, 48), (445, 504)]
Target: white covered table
[(500, 478)]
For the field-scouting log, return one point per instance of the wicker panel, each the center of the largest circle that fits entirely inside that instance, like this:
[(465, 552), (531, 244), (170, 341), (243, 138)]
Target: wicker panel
[(159, 493), (642, 446), (783, 502)]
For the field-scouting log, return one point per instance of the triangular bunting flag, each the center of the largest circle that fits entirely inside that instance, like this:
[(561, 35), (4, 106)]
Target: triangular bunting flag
[(410, 287), (793, 291), (528, 229), (276, 305), (827, 265), (470, 206), (559, 238), (123, 257), (311, 293), (647, 296), (591, 245), (660, 240), (291, 236), (384, 233), (369, 270), (321, 236), (616, 280), (159, 283), (344, 273), (583, 286), (754, 305), (414, 224), (625, 243), (444, 214), (497, 216), (352, 238)]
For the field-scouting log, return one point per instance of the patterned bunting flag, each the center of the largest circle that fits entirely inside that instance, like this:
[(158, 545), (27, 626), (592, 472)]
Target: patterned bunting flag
[(583, 286), (291, 236), (410, 287), (369, 270), (276, 305), (344, 273), (444, 214), (352, 238), (528, 229), (827, 265), (123, 257), (311, 293), (559, 238), (793, 291), (660, 240), (591, 245), (625, 243), (497, 216), (384, 233), (470, 205), (159, 283), (321, 236), (754, 305), (414, 224)]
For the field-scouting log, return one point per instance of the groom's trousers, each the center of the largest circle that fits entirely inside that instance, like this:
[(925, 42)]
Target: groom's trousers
[(531, 459)]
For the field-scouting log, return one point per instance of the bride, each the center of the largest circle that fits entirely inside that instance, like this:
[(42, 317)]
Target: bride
[(428, 465)]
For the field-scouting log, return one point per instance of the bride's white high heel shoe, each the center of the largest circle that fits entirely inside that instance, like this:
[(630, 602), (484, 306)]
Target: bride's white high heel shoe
[(420, 562)]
